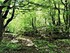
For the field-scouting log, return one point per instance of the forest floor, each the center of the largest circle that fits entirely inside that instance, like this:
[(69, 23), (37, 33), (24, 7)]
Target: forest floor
[(37, 45)]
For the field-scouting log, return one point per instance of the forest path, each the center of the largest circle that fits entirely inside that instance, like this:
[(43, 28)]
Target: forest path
[(27, 45), (25, 42)]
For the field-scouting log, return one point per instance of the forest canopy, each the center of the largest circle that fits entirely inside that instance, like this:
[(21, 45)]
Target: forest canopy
[(38, 13), (51, 14), (23, 15)]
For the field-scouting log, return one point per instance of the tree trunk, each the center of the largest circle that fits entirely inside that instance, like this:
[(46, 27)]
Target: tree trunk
[(3, 17), (1, 28), (1, 24)]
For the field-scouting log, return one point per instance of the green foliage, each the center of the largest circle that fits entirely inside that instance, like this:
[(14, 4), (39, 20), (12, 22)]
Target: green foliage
[(51, 47), (1, 1), (30, 15), (6, 46)]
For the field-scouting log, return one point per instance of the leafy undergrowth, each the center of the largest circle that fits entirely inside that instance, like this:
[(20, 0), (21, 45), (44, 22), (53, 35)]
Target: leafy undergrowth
[(7, 46), (56, 46), (40, 46)]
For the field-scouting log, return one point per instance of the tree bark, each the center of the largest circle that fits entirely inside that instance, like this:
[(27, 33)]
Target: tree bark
[(1, 28)]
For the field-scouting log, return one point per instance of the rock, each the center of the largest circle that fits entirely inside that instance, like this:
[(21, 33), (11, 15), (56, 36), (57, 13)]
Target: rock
[(14, 41), (25, 41)]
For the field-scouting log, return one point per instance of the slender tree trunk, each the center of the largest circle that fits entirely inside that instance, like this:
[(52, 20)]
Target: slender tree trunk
[(34, 24), (59, 22), (69, 19)]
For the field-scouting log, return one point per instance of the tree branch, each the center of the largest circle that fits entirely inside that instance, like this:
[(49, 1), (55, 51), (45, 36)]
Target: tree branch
[(62, 2), (6, 13), (39, 4), (10, 18), (5, 1)]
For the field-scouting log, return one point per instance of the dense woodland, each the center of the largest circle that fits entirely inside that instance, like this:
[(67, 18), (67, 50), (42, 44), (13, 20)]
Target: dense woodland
[(34, 26)]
